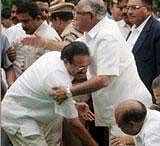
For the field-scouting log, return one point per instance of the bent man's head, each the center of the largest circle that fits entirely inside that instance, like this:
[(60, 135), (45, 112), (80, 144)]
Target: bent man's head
[(130, 115)]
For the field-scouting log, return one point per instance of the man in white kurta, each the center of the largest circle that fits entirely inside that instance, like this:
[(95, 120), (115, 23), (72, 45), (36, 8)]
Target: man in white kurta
[(28, 109), (111, 57), (27, 104), (26, 55), (135, 119), (150, 132)]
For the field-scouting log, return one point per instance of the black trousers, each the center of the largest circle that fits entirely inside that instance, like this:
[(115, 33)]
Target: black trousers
[(100, 134)]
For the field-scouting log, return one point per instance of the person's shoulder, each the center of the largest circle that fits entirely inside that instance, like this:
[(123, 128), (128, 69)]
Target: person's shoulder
[(53, 53)]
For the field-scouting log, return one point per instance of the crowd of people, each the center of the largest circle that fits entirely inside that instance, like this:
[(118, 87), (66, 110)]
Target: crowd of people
[(80, 73)]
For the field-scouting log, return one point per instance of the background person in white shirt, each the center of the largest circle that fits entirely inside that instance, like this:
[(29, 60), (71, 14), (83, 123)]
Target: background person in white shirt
[(33, 23), (135, 119), (28, 110)]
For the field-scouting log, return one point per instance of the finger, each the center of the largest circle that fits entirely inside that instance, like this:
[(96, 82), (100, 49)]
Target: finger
[(92, 114), (115, 141)]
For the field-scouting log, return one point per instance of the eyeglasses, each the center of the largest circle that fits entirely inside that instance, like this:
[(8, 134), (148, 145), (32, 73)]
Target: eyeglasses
[(80, 68), (134, 7)]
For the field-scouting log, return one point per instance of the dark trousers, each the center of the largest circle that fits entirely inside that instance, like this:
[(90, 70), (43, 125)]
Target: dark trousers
[(100, 134)]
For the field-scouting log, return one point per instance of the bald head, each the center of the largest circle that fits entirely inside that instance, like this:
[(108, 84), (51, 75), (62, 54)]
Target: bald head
[(129, 112)]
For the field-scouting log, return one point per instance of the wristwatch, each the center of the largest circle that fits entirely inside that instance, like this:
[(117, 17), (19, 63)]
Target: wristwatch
[(69, 93)]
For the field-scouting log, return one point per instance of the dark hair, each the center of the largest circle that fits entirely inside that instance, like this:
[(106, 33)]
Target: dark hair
[(74, 48), (135, 114), (65, 16), (30, 8), (156, 82), (148, 2), (6, 13)]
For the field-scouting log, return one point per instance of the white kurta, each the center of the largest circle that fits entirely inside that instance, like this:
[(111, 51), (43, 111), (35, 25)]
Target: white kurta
[(111, 57), (28, 104), (150, 132)]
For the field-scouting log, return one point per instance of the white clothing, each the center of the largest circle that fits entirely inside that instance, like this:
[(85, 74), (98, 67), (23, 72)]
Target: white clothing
[(111, 57), (15, 33), (150, 132), (26, 55), (27, 102), (136, 31), (123, 27)]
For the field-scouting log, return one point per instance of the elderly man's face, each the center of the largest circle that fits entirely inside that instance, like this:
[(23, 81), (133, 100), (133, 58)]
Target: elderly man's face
[(137, 11), (82, 19)]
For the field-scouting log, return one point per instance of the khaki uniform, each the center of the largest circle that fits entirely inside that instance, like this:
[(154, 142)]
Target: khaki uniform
[(70, 33)]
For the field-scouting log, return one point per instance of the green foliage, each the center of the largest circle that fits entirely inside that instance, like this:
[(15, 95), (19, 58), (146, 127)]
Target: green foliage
[(7, 3), (156, 3)]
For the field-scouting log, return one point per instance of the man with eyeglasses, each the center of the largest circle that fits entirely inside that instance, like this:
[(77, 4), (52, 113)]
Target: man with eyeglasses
[(29, 114), (145, 40)]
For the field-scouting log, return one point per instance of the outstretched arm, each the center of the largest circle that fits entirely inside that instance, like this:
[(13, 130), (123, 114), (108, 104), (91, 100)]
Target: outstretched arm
[(60, 93), (49, 44), (80, 131)]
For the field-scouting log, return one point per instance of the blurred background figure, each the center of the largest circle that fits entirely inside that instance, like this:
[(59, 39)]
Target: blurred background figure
[(6, 20), (61, 16)]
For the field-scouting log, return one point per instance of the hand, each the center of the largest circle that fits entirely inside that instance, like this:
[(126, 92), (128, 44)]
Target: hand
[(11, 54), (84, 111), (122, 140), (34, 41), (117, 141), (59, 94)]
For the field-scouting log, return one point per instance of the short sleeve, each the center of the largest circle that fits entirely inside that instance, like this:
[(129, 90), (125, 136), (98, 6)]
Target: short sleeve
[(59, 78)]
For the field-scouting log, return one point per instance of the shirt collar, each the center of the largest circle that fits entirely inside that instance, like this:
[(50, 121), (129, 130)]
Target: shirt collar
[(92, 33), (144, 123), (42, 27), (140, 27), (121, 23)]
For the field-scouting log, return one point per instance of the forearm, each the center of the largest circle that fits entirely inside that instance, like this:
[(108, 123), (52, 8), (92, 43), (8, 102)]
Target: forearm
[(82, 132), (55, 45), (10, 75), (91, 85)]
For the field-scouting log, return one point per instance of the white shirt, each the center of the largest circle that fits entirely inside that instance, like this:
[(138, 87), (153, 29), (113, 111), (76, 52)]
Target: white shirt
[(136, 31), (123, 27), (150, 132), (111, 57), (14, 33), (26, 55), (28, 100)]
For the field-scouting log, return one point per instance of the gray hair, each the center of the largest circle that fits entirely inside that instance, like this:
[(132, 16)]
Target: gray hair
[(95, 6)]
